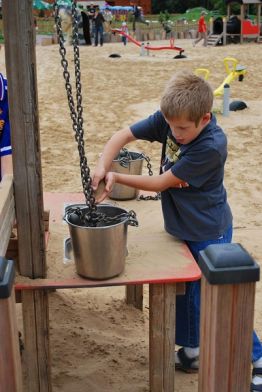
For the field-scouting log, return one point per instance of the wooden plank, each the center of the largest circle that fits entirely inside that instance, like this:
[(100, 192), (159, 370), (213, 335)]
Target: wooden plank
[(162, 304), (36, 336), (134, 295), (7, 212), (24, 118), (10, 363), (227, 313)]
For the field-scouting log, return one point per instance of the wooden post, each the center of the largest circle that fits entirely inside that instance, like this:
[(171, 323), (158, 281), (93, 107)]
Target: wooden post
[(134, 295), (10, 363), (224, 31), (162, 306), (23, 107), (242, 17), (227, 313), (24, 118)]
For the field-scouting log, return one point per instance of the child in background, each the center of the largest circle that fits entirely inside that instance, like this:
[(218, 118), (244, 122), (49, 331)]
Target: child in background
[(124, 29)]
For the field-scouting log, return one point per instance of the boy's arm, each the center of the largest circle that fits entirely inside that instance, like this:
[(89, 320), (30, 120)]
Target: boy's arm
[(157, 183), (6, 165), (111, 150)]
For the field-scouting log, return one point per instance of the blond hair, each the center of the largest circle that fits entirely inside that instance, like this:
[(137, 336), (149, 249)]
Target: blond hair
[(188, 96)]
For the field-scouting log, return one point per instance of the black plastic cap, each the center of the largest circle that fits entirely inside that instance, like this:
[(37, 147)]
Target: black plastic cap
[(7, 275), (228, 264)]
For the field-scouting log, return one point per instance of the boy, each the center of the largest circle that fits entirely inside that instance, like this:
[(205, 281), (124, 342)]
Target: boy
[(5, 138), (193, 197)]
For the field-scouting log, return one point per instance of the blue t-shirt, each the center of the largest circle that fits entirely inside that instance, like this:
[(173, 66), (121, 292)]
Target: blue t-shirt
[(199, 212), (5, 137)]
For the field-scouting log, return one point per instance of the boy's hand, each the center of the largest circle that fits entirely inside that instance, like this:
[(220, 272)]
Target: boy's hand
[(107, 185)]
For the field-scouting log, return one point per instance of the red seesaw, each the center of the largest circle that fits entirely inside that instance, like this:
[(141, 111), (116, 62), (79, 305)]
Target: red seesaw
[(149, 47)]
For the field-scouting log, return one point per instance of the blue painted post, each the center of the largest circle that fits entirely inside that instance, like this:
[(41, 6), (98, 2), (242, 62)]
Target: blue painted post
[(227, 315)]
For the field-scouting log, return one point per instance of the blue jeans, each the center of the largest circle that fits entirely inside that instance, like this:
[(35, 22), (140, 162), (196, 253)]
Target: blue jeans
[(188, 305), (99, 31)]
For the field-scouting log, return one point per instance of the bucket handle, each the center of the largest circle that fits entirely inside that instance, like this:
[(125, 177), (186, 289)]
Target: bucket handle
[(132, 219)]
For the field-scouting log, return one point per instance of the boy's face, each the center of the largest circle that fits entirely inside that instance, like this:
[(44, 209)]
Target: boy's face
[(184, 131)]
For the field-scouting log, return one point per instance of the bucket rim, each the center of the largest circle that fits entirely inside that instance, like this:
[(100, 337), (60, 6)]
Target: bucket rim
[(100, 227), (132, 160)]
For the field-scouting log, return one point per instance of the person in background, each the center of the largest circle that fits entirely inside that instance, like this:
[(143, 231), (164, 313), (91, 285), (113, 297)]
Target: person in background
[(202, 30), (124, 29), (99, 28), (138, 15), (108, 19), (6, 166)]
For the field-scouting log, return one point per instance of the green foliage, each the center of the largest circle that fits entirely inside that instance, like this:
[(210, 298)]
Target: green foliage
[(178, 6), (164, 16)]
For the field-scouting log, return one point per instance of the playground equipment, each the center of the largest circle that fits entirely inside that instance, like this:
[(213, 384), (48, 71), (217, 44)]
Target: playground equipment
[(149, 47), (236, 28), (233, 69)]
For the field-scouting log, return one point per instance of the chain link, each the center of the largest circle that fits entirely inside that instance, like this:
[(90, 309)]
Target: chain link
[(79, 217), (76, 113), (91, 217)]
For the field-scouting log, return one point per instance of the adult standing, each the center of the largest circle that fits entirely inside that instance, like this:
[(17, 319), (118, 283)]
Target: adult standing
[(202, 30), (99, 28)]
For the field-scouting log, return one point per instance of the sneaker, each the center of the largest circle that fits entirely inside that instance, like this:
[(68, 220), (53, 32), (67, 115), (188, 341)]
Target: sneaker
[(193, 44), (184, 363)]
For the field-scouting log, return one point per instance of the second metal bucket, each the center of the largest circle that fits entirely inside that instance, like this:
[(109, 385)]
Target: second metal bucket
[(132, 166), (100, 252)]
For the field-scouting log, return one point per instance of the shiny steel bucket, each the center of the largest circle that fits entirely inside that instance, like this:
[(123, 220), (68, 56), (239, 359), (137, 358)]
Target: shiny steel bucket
[(132, 166), (100, 252)]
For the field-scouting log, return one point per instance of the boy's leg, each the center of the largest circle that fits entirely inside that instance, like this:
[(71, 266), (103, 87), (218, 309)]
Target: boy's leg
[(256, 384), (188, 306)]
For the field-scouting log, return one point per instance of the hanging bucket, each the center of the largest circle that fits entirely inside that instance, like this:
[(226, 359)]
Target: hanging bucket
[(131, 164), (100, 251)]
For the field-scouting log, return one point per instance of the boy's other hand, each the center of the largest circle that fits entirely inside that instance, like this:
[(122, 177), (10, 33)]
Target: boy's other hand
[(105, 187)]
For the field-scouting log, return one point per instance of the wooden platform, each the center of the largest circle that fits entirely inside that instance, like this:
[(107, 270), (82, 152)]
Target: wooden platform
[(154, 258)]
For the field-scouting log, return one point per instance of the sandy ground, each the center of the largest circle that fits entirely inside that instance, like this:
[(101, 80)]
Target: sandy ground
[(98, 343)]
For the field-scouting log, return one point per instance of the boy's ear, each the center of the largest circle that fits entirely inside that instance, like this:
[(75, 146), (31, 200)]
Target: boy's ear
[(206, 118)]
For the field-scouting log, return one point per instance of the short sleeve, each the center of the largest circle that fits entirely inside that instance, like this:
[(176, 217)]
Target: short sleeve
[(197, 166), (153, 128)]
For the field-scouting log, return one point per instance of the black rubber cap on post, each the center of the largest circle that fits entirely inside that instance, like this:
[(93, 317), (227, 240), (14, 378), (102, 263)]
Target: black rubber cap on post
[(7, 275), (228, 264)]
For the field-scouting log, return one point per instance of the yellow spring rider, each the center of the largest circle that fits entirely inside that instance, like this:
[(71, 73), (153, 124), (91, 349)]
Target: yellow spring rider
[(233, 70)]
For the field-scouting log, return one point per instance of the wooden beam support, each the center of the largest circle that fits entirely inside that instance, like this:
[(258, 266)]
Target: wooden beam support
[(36, 337), (227, 313), (10, 364), (24, 119), (162, 306), (134, 295)]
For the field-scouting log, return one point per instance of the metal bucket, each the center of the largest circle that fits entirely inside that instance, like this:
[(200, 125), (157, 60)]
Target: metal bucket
[(132, 166), (100, 252)]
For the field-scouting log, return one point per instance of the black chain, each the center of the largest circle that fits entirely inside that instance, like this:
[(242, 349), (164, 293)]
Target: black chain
[(91, 217), (79, 217), (76, 113)]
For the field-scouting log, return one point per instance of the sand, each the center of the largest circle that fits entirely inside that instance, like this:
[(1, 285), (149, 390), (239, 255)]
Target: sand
[(98, 343)]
